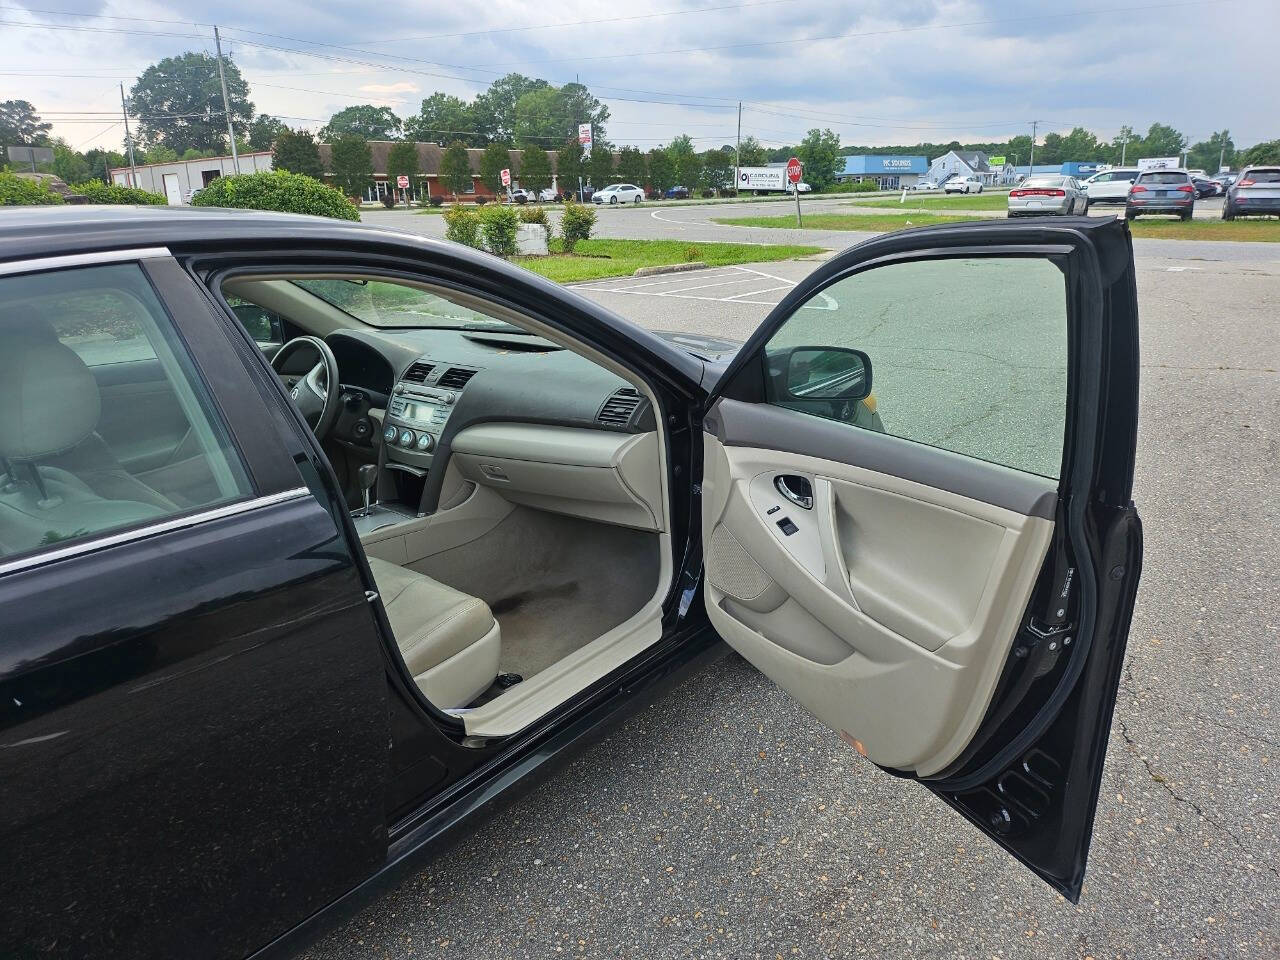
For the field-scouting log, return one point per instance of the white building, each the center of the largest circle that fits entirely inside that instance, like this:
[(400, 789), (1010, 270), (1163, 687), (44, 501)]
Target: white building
[(965, 163), (177, 180)]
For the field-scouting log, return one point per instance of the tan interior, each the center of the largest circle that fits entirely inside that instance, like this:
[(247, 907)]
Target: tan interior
[(888, 612)]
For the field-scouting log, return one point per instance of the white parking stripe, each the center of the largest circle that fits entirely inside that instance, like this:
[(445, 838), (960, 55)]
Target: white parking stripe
[(682, 287)]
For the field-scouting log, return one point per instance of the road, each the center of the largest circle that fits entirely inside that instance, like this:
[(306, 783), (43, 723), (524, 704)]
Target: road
[(724, 822)]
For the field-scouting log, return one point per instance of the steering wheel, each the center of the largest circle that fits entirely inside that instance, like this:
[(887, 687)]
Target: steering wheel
[(316, 392)]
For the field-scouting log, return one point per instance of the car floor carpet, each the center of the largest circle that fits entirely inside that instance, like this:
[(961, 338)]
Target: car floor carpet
[(554, 583)]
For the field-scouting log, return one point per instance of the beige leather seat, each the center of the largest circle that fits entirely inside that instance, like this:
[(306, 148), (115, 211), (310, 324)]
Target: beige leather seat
[(450, 641)]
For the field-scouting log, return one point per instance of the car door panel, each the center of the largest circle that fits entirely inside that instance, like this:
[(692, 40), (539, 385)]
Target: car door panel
[(130, 390), (956, 620)]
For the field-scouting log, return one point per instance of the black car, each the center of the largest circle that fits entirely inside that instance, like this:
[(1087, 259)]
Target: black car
[(1207, 187), (314, 538), (1161, 191)]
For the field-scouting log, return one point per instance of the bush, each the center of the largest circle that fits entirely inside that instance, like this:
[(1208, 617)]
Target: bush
[(576, 224), (707, 193), (437, 201), (18, 191), (850, 186), (99, 192), (500, 225), (277, 190), (389, 200), (481, 201), (462, 226), (536, 215)]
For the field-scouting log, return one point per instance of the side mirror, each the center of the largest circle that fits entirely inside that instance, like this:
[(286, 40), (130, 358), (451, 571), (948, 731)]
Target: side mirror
[(827, 373)]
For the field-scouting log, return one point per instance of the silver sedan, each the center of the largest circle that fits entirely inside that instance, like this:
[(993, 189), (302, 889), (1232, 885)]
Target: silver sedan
[(1048, 194)]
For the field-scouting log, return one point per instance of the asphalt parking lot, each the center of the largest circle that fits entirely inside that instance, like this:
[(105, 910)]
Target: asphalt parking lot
[(724, 822)]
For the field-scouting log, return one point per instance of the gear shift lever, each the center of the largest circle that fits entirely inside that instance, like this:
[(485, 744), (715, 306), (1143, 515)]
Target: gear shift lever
[(367, 476)]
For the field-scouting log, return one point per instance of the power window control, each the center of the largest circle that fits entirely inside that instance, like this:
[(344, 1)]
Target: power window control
[(772, 510), (787, 527)]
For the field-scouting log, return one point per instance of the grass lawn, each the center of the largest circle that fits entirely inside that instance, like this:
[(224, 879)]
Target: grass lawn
[(872, 223), (1265, 230), (925, 201), (598, 259)]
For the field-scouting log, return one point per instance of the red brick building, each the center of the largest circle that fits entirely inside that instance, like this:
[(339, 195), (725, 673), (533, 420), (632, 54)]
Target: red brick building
[(428, 182)]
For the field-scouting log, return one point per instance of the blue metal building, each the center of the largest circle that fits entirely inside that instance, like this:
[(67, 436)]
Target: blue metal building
[(889, 172)]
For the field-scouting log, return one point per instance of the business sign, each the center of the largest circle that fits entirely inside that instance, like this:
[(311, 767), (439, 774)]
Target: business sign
[(896, 163), (506, 177), (584, 137), (402, 182), (30, 155), (995, 161), (794, 170), (762, 178), (1159, 163)]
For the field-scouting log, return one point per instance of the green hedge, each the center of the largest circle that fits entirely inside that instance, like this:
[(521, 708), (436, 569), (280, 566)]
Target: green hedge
[(462, 225), (853, 186), (576, 224), (500, 226), (18, 191), (277, 190), (99, 192)]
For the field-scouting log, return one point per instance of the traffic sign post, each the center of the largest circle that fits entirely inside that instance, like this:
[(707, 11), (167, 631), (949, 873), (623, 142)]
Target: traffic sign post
[(505, 173), (403, 183), (794, 171)]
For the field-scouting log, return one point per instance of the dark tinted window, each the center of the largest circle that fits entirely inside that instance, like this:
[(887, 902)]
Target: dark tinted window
[(1164, 176), (1265, 176)]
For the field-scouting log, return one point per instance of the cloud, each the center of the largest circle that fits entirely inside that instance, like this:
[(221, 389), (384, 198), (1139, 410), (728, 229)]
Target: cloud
[(402, 87)]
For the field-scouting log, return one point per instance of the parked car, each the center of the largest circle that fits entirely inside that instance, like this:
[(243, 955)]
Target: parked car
[(264, 571), (1161, 191), (1255, 193), (617, 193), (1226, 179), (924, 185), (1111, 186), (1206, 187), (550, 195), (521, 196), (802, 186), (676, 193), (962, 184), (1045, 194)]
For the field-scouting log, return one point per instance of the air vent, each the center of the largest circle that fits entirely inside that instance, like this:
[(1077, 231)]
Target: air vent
[(619, 408), (455, 378), (418, 372)]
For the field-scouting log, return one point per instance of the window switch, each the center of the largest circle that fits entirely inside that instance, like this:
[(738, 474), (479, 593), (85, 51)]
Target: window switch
[(774, 509), (787, 527)]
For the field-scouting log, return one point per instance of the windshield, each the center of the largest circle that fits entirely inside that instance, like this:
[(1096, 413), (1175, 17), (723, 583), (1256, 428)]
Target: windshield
[(1044, 182), (383, 304), (1164, 176)]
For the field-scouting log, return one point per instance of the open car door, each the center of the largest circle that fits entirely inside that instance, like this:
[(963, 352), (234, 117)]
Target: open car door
[(917, 515)]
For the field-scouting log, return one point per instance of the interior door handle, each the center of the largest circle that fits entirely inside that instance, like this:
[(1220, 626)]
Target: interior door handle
[(795, 488)]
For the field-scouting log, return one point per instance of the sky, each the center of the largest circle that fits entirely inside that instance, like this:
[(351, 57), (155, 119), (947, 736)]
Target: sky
[(875, 71)]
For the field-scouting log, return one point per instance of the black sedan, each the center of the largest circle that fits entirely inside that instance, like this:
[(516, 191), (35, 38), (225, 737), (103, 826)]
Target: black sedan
[(314, 538)]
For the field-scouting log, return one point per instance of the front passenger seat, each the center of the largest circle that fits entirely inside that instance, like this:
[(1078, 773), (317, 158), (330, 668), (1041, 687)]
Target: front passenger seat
[(450, 641)]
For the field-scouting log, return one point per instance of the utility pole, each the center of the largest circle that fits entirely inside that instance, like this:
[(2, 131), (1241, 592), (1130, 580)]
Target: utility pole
[(1031, 167), (1124, 148), (737, 146), (226, 101), (128, 139)]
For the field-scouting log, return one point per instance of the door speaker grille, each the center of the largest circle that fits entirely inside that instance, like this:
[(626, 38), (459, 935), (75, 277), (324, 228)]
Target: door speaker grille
[(732, 570)]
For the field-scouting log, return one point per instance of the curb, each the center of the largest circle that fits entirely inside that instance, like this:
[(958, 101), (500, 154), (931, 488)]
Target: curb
[(671, 268)]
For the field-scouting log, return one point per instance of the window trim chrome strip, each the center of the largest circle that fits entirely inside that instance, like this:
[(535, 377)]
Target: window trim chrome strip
[(152, 529), (82, 260)]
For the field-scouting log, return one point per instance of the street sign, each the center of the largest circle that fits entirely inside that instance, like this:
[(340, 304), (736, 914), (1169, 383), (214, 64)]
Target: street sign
[(506, 177), (794, 170), (402, 182)]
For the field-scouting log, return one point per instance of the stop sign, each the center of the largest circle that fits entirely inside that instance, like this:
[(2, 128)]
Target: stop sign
[(794, 170), (506, 177), (402, 182)]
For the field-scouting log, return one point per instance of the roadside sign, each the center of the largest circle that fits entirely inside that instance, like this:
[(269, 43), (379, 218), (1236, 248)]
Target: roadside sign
[(402, 182), (995, 161), (794, 170), (506, 177), (1159, 163), (584, 137)]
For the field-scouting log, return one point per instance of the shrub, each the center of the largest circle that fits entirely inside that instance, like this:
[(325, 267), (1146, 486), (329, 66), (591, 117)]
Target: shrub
[(277, 190), (692, 254), (389, 200), (481, 201), (437, 200), (849, 186), (99, 192), (707, 193), (536, 215), (462, 226), (500, 225), (576, 224), (18, 191)]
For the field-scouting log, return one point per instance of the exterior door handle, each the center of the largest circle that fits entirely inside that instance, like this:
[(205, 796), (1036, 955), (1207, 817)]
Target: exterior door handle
[(795, 488)]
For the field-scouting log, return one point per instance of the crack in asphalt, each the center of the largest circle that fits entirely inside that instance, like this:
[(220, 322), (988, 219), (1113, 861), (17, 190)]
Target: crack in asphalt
[(1157, 777)]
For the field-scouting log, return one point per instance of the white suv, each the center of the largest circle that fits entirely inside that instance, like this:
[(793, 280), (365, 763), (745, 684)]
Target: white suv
[(960, 184), (1111, 186)]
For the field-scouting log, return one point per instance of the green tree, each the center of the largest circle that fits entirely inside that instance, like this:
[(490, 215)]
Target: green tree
[(494, 111), (441, 119), (71, 166), (751, 153), (579, 106), (160, 154), (263, 132), (493, 161), (631, 167), (296, 151), (351, 163), (365, 121), (717, 169), (402, 161), (819, 151), (101, 163), (600, 165), (1208, 155), (540, 116), (570, 167), (686, 165), (535, 168), (179, 103), (1162, 141), (20, 124), (662, 174), (455, 168), (1266, 152)]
